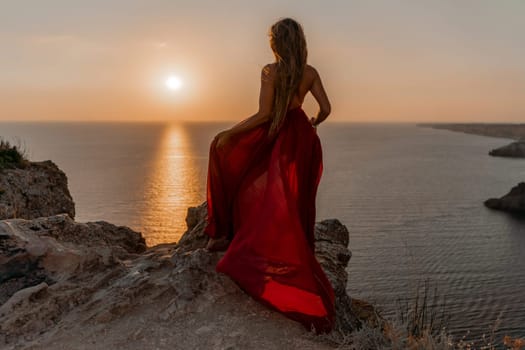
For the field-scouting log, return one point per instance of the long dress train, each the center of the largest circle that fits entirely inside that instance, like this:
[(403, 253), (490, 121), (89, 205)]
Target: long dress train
[(261, 194)]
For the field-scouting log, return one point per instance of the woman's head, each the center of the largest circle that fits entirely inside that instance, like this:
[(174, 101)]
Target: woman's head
[(288, 44)]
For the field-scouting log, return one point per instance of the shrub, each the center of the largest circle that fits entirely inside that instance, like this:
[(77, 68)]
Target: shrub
[(11, 156)]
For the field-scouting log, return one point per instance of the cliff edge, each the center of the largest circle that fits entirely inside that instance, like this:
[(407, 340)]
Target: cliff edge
[(70, 285)]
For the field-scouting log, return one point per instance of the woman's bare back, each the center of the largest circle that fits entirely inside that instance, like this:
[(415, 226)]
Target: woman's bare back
[(305, 85), (311, 82)]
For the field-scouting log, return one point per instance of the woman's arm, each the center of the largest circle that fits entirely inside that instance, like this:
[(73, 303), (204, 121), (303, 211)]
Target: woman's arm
[(320, 96), (264, 114)]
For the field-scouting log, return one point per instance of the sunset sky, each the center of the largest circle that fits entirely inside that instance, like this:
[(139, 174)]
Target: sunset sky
[(391, 60)]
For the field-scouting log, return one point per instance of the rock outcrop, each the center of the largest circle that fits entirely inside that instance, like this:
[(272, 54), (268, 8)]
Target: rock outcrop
[(70, 285), (513, 202), (35, 190), (93, 285), (53, 249), (512, 150)]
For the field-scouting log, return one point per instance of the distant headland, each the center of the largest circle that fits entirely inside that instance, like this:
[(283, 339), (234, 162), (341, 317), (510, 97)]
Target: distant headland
[(508, 131)]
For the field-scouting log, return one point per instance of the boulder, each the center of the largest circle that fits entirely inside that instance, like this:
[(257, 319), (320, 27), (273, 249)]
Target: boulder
[(37, 189), (56, 248)]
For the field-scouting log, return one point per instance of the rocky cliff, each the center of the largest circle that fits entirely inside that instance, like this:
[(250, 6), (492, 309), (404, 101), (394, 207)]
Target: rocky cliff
[(35, 190), (513, 202), (69, 285)]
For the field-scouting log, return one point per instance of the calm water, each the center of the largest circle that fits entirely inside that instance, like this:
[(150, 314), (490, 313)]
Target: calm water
[(411, 198)]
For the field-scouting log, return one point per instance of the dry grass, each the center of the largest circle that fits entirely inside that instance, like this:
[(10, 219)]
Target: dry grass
[(423, 314), (420, 323)]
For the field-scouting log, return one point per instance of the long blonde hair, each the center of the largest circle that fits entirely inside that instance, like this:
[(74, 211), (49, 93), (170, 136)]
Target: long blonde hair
[(288, 44)]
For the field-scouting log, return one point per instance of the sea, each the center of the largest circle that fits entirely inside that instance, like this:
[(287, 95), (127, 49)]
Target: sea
[(410, 196)]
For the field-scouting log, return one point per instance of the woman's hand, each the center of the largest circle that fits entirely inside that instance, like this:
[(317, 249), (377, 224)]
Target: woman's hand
[(222, 138), (313, 121)]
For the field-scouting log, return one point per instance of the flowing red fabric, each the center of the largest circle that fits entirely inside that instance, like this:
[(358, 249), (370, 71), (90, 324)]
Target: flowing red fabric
[(261, 194)]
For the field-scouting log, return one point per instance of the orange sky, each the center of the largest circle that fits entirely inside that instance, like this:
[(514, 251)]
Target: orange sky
[(441, 60)]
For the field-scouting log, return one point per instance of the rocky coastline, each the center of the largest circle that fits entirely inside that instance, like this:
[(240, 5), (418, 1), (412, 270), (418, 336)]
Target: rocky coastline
[(509, 131), (65, 284), (512, 150), (513, 202)]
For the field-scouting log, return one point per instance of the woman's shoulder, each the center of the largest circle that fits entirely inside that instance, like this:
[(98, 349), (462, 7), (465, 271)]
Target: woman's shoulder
[(310, 71), (269, 71)]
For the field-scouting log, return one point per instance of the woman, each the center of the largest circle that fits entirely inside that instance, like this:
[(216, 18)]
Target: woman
[(262, 183)]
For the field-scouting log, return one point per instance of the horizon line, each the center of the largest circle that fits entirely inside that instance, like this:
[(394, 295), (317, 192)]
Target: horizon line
[(106, 121)]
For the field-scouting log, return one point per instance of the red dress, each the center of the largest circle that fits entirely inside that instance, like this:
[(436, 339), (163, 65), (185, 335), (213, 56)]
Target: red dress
[(261, 194)]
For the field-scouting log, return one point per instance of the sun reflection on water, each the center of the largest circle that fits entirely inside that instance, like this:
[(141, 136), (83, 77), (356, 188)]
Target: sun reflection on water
[(173, 186)]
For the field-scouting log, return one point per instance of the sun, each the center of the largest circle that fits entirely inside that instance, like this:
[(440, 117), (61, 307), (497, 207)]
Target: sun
[(173, 82)]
